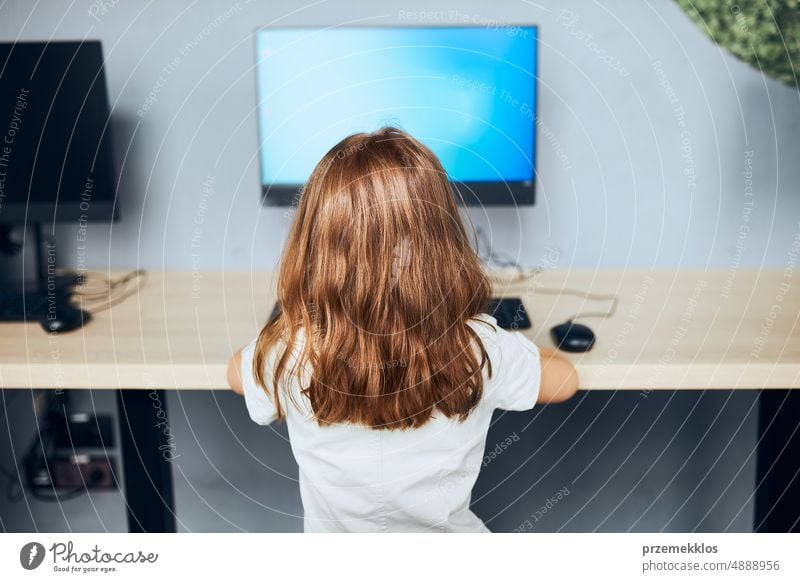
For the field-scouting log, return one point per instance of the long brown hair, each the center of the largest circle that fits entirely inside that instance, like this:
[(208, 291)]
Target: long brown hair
[(379, 276)]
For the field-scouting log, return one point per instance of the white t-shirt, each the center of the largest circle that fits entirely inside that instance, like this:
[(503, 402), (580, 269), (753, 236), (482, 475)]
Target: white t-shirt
[(357, 479)]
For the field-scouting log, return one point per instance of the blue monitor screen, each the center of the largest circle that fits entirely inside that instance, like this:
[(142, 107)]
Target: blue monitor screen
[(467, 93)]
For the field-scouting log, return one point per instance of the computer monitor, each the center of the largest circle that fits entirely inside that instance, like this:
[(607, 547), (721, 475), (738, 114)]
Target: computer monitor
[(55, 141), (469, 93)]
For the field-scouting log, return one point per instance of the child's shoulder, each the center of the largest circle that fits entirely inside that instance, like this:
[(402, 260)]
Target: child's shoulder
[(486, 327), (497, 340)]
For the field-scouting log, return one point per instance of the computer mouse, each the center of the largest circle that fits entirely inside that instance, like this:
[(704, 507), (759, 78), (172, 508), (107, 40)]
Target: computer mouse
[(572, 337), (63, 317)]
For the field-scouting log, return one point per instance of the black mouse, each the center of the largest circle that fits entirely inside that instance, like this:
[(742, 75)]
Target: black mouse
[(63, 317), (572, 337)]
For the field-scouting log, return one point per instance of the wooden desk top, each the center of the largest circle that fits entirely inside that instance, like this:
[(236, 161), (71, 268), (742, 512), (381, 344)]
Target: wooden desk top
[(671, 330)]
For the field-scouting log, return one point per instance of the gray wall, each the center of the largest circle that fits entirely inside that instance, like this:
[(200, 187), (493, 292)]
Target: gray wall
[(613, 185)]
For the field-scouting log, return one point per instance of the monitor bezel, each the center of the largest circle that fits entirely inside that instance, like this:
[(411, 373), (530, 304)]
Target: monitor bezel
[(485, 193), (51, 213)]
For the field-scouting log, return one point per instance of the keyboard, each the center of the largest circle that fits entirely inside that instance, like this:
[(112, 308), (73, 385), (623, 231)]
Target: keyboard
[(18, 306), (509, 312)]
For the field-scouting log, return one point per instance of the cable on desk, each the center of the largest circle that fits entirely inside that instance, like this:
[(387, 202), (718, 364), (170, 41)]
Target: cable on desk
[(489, 256), (586, 295), (107, 292)]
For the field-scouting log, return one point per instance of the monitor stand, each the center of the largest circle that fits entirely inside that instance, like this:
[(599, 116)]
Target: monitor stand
[(50, 294), (47, 282)]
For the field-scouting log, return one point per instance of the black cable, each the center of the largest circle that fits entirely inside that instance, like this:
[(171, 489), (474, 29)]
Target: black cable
[(37, 450), (13, 480), (14, 497), (55, 496)]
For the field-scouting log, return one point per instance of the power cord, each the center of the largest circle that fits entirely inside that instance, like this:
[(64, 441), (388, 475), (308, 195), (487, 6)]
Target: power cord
[(15, 490), (586, 295), (489, 256), (503, 260)]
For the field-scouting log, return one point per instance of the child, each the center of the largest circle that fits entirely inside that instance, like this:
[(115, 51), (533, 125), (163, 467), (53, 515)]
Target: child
[(382, 361)]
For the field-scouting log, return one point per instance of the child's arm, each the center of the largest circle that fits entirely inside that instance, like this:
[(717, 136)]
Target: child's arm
[(235, 373), (559, 378), (260, 407)]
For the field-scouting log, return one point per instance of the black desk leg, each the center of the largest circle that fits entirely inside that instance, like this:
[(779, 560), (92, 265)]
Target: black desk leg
[(778, 466), (147, 451)]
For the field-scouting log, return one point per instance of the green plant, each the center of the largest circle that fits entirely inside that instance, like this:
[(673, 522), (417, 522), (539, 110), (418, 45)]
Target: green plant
[(763, 33)]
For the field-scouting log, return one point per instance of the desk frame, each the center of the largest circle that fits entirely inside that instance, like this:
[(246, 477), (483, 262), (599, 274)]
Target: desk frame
[(778, 462), (149, 488)]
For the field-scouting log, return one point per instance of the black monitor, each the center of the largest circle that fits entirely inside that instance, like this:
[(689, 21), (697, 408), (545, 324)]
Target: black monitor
[(467, 92), (56, 161)]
